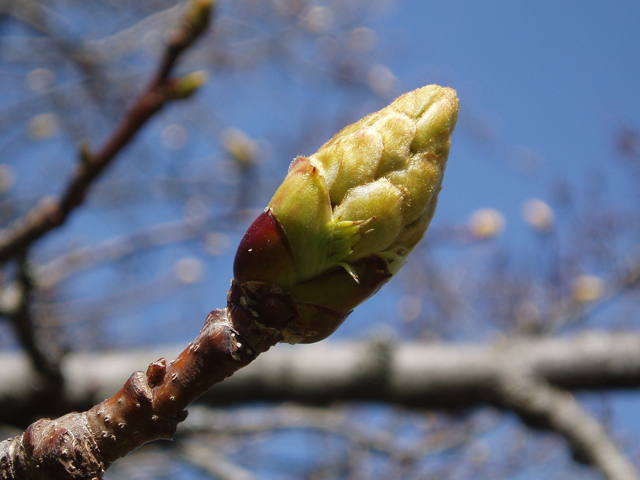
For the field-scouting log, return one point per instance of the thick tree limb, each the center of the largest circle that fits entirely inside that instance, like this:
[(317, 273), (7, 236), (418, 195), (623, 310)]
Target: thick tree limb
[(416, 375), (423, 375), (432, 375)]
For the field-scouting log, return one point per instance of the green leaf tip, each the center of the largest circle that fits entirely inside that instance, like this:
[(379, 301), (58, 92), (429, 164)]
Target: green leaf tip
[(344, 219)]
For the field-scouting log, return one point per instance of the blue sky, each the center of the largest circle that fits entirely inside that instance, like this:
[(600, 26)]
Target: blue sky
[(543, 88), (552, 78)]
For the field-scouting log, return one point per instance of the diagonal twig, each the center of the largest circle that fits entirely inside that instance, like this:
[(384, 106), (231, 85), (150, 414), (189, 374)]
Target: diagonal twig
[(52, 212)]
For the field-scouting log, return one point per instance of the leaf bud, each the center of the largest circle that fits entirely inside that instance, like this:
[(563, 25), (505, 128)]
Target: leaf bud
[(344, 219)]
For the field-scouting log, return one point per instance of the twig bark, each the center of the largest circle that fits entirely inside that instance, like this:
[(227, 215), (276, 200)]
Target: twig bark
[(148, 407)]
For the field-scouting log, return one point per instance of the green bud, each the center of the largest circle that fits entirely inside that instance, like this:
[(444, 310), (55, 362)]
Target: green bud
[(197, 16), (344, 219), (188, 84), (240, 148)]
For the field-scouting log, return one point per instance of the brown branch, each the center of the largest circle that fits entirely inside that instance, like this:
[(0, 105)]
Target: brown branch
[(148, 407), (53, 212)]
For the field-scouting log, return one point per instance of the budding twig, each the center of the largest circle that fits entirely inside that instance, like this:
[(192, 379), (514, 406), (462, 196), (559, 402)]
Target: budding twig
[(53, 212)]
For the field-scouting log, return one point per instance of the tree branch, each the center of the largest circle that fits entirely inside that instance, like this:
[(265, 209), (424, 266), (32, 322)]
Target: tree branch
[(148, 407), (539, 403), (415, 375), (22, 320), (56, 271), (52, 212)]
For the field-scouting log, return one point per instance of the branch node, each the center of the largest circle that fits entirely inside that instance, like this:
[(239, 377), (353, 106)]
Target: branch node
[(156, 372)]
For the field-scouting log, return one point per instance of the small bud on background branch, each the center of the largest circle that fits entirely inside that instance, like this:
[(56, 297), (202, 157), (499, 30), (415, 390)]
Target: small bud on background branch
[(53, 212), (189, 84)]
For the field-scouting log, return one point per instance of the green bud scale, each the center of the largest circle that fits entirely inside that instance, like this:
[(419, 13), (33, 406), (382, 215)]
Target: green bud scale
[(344, 220)]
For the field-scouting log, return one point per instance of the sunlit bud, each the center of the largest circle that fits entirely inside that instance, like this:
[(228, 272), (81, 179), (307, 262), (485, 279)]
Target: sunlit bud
[(187, 85), (361, 39), (11, 297), (217, 243), (486, 223), (381, 80), (197, 15), (239, 146), (409, 308), (174, 137), (40, 80), (538, 214), (44, 125), (84, 152), (527, 316), (317, 19), (344, 219), (587, 288)]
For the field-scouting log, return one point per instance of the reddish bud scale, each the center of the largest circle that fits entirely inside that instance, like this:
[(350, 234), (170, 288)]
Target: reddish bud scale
[(304, 312), (264, 254)]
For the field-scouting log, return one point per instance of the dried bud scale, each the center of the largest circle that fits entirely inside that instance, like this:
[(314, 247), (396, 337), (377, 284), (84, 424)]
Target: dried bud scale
[(345, 218)]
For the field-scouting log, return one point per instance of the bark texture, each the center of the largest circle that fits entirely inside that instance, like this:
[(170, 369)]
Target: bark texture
[(148, 407)]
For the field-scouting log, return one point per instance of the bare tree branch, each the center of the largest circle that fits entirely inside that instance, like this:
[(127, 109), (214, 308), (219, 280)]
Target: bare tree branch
[(215, 464), (56, 271), (571, 311), (538, 402), (82, 445), (333, 421), (415, 375), (422, 375), (51, 213)]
